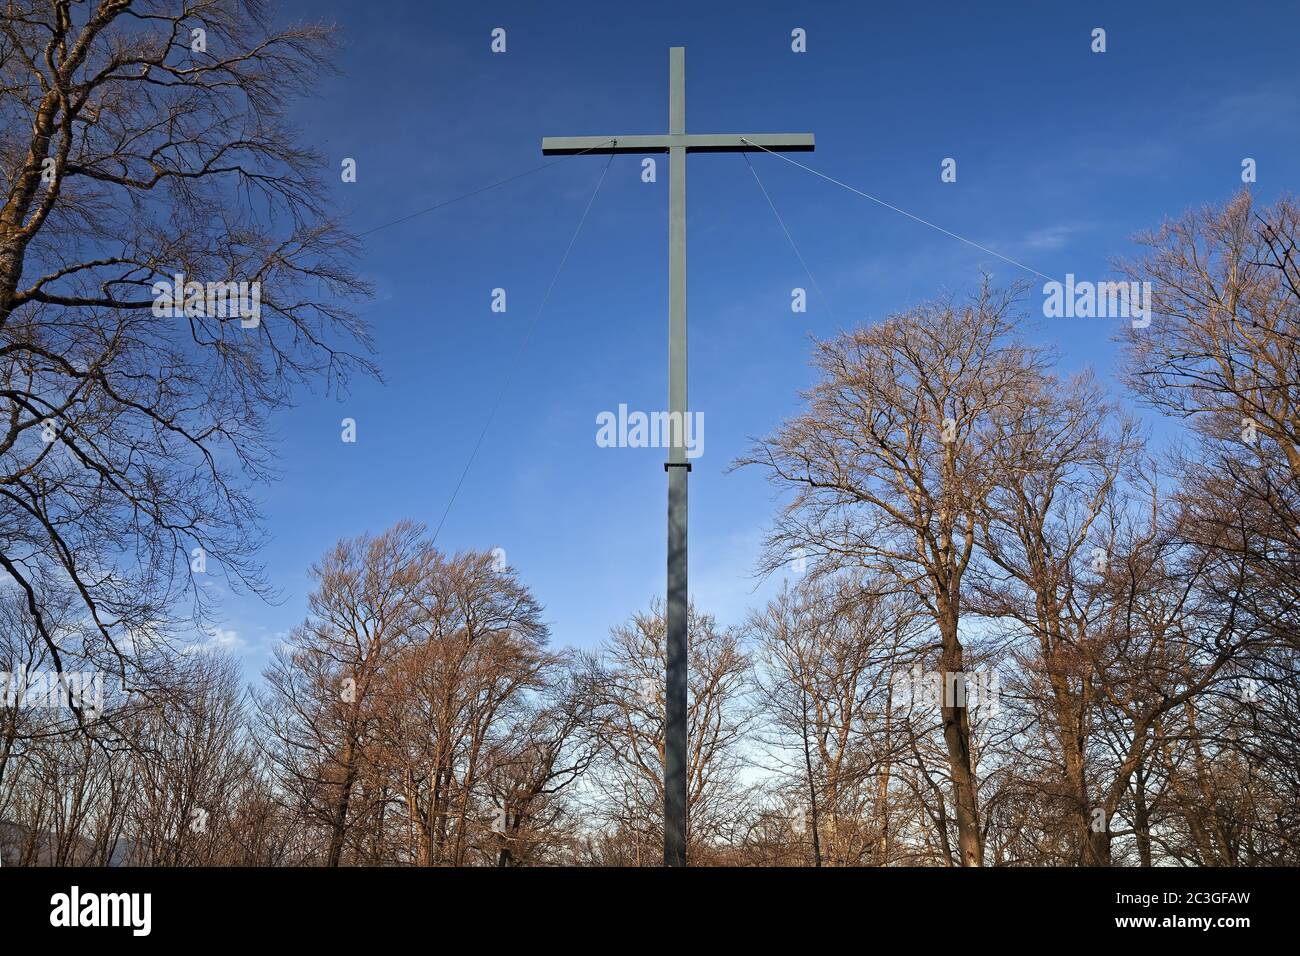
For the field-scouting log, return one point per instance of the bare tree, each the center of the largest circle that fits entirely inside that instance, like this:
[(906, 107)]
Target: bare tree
[(319, 703), (538, 764), (1222, 353), (455, 704), (143, 141), (189, 762), (828, 654), (1060, 456), (630, 774), (891, 467)]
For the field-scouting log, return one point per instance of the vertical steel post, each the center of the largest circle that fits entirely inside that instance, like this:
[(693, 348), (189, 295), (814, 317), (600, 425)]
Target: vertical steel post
[(677, 144), (675, 753)]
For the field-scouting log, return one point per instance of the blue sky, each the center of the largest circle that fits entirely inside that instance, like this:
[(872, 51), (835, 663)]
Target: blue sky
[(1062, 155)]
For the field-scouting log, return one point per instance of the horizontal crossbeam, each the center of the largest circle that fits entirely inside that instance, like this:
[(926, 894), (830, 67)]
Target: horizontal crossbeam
[(694, 143)]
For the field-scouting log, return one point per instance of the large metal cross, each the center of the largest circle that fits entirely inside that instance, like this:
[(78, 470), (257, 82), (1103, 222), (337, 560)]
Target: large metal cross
[(676, 143)]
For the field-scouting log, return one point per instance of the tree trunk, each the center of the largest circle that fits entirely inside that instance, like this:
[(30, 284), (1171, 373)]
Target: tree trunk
[(339, 824), (956, 736)]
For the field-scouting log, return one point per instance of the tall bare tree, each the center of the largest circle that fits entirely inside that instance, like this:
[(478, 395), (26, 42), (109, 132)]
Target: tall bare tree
[(456, 704), (319, 703), (141, 141), (1044, 533), (1222, 354), (891, 467)]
